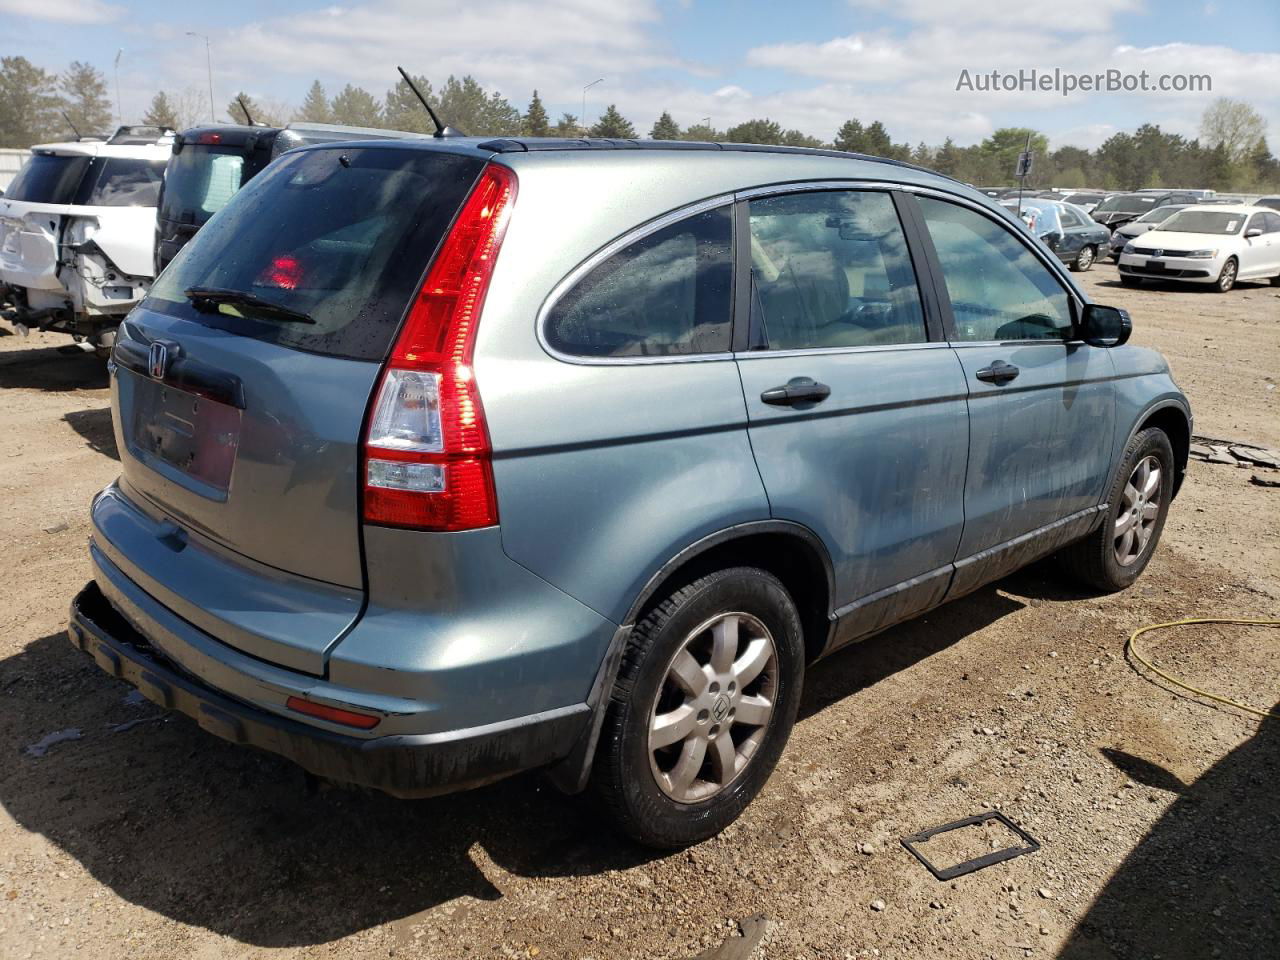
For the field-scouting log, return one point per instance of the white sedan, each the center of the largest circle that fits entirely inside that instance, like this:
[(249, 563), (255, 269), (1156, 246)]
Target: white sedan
[(1217, 244)]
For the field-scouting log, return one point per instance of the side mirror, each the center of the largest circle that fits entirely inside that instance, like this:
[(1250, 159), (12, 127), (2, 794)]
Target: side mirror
[(1105, 326), (1253, 232)]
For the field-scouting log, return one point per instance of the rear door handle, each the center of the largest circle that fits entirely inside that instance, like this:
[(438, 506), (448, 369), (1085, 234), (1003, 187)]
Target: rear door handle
[(797, 390), (999, 372)]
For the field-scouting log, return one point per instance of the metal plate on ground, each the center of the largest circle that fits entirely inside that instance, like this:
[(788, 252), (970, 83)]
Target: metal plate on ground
[(1029, 845)]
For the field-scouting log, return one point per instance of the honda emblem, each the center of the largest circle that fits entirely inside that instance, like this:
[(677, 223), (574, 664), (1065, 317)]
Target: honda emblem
[(158, 360)]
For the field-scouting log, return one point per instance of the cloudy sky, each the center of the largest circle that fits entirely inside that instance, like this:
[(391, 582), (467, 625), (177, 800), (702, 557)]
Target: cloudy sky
[(809, 64)]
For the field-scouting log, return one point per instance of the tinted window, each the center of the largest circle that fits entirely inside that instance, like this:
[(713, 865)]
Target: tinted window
[(345, 241), (125, 182), (1070, 218), (45, 178), (831, 269), (999, 289), (1127, 203), (1272, 202), (1271, 222), (664, 295), (199, 182)]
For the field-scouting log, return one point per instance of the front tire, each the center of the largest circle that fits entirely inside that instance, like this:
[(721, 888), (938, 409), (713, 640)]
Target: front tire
[(1115, 555), (1227, 278), (1084, 260), (705, 700)]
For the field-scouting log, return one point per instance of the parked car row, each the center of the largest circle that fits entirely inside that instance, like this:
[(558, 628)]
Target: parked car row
[(405, 497), (86, 226)]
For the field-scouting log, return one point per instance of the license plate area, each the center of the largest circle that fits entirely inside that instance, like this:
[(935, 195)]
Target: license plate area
[(1156, 266), (194, 435)]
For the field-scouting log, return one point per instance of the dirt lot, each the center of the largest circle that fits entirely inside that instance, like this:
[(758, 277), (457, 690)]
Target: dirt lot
[(1159, 815)]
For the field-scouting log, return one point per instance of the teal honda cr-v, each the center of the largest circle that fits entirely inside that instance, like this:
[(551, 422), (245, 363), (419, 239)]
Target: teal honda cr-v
[(452, 458)]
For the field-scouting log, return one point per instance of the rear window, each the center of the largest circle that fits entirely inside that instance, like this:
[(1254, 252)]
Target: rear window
[(340, 234), (125, 182), (46, 178), (199, 182)]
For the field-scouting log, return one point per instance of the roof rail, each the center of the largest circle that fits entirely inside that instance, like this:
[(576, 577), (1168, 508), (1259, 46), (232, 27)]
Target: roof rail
[(139, 134), (536, 144)]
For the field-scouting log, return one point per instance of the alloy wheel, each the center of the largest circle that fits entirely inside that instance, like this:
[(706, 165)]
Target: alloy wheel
[(712, 710), (1139, 511)]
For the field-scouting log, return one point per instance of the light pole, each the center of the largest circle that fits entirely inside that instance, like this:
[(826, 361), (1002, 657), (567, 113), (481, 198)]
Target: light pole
[(208, 59), (119, 112), (584, 103)]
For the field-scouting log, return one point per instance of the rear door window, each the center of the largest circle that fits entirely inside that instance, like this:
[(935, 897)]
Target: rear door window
[(666, 294), (339, 235), (48, 178), (831, 269), (125, 182)]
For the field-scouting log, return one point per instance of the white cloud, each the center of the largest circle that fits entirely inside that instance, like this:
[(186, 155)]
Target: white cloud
[(63, 11), (1040, 14)]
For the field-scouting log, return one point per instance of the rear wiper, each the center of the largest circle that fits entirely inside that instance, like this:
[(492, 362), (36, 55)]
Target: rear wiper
[(204, 297)]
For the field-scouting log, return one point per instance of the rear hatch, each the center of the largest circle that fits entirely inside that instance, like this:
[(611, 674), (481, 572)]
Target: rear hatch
[(31, 218), (242, 382), (207, 168)]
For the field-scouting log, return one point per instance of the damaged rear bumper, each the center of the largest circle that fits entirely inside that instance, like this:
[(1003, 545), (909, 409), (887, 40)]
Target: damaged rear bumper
[(402, 765)]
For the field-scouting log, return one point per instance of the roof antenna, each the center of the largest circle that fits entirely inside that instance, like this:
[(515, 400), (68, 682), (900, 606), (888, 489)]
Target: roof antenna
[(247, 117), (441, 129), (71, 125)]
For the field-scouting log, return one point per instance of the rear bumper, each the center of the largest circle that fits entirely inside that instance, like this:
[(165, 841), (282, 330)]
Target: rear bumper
[(402, 765)]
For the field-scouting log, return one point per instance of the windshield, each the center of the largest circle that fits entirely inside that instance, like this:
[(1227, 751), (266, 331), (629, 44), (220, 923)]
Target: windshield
[(1219, 223), (1126, 203), (1079, 198), (199, 182), (47, 178), (1159, 214), (342, 235), (126, 182)]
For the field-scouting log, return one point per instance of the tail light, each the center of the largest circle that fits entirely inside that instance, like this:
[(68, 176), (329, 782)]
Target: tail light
[(427, 462)]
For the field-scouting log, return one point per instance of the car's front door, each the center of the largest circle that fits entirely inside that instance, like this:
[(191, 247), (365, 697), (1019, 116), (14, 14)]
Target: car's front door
[(1041, 402), (1258, 253), (857, 415)]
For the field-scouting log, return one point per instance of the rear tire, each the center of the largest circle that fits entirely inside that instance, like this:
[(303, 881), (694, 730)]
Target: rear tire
[(1109, 558), (1084, 260), (676, 688)]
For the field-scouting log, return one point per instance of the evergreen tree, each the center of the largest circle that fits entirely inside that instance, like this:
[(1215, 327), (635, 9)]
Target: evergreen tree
[(356, 107), (402, 110), (84, 94), (567, 126), (464, 105), (161, 112), (315, 106), (922, 155), (236, 109), (501, 119), (28, 104), (702, 132), (795, 138), (613, 125), (665, 128), (852, 137), (878, 142), (947, 159), (535, 122), (755, 131)]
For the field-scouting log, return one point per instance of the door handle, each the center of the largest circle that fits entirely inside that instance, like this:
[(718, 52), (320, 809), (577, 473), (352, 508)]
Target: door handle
[(998, 373), (797, 390)]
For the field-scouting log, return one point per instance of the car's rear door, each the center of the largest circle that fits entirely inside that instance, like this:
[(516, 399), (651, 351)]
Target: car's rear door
[(856, 405), (1041, 402), (241, 385)]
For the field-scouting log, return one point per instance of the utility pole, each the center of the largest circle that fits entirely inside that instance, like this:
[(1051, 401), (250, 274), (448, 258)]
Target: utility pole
[(583, 117), (208, 60)]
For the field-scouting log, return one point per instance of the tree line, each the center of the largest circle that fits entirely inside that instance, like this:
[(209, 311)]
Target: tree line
[(1231, 152)]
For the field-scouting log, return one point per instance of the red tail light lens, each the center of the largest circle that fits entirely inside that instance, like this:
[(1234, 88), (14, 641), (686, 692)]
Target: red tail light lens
[(284, 272), (427, 463)]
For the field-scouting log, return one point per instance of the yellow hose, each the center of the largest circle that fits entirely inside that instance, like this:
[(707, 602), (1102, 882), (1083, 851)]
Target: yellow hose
[(1132, 647)]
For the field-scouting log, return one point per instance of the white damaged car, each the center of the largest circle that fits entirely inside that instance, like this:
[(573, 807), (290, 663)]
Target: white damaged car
[(77, 234)]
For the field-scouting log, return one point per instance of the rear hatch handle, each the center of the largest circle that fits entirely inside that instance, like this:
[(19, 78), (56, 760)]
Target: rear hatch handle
[(162, 361)]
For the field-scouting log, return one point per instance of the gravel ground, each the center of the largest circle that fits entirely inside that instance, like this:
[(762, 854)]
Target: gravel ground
[(135, 834)]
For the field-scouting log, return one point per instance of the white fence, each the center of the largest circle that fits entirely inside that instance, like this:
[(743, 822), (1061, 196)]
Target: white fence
[(10, 161)]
